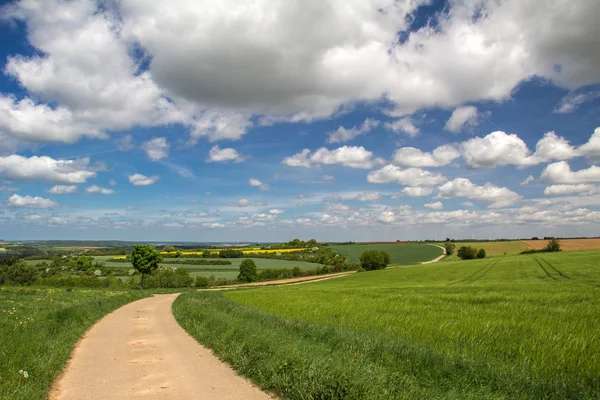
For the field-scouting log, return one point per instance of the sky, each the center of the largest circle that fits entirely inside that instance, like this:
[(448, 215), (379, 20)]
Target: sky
[(340, 120)]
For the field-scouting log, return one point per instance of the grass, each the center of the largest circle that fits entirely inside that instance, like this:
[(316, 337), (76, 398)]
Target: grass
[(404, 254), (38, 330), (492, 249), (515, 327)]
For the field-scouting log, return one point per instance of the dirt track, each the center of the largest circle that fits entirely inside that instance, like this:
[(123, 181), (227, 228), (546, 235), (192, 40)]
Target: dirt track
[(140, 351)]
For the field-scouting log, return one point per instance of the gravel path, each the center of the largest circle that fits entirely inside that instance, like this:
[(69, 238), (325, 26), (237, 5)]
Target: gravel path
[(140, 351)]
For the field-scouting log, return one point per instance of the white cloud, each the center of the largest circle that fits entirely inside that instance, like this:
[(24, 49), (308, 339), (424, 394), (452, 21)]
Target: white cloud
[(276, 211), (349, 156), (591, 149), (30, 202), (256, 183), (142, 180), (216, 154), (112, 182), (561, 190), (156, 149), (561, 173), (438, 205), (243, 203), (327, 178), (527, 180), (412, 157), (337, 208), (63, 189), (462, 187), (573, 101), (95, 189), (416, 191), (465, 116), (125, 143), (405, 177), (45, 169), (342, 134), (368, 196), (404, 125)]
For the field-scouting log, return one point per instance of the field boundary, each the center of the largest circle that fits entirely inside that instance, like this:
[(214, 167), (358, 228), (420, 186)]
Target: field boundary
[(281, 282)]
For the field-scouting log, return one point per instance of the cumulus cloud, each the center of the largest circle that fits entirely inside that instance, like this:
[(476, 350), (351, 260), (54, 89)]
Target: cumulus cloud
[(412, 157), (243, 203), (403, 125), (256, 183), (462, 117), (591, 149), (462, 187), (437, 205), (416, 191), (348, 156), (276, 211), (561, 190), (527, 180), (217, 154), (561, 173), (573, 101), (337, 208), (368, 196), (405, 177), (112, 182), (46, 169), (30, 202), (125, 143), (342, 134), (156, 149), (63, 189), (95, 189), (142, 180)]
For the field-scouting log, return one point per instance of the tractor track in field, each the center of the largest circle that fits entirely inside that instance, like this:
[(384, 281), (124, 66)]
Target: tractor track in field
[(556, 270), (544, 269), (469, 279)]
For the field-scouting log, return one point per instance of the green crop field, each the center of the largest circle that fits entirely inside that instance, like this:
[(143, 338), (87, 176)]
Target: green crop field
[(492, 249), (514, 327), (403, 254), (38, 330)]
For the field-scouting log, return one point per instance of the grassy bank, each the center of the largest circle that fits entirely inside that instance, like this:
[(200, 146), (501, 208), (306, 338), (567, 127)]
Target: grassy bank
[(512, 327), (38, 330), (403, 254)]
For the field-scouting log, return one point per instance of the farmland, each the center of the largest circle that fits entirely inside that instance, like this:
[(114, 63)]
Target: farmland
[(566, 244), (493, 248), (38, 330), (399, 253), (508, 327)]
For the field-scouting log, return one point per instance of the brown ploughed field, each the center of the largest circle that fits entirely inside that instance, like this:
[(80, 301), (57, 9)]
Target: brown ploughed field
[(566, 244)]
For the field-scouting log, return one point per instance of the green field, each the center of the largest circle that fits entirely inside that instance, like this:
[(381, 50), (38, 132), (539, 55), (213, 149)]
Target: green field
[(38, 330), (400, 254), (492, 249), (515, 327)]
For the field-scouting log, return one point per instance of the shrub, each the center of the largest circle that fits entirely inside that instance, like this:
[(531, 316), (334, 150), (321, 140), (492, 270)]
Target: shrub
[(296, 271), (230, 253), (201, 282), (371, 260), (18, 273), (247, 271), (449, 248), (481, 253), (467, 252), (552, 246)]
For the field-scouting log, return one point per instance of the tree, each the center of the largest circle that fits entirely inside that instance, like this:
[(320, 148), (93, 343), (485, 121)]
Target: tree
[(248, 271), (145, 258), (467, 252), (481, 253), (372, 259), (169, 249), (553, 245), (449, 248)]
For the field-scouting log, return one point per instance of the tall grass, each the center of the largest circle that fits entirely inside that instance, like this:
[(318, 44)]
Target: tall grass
[(492, 328), (38, 330)]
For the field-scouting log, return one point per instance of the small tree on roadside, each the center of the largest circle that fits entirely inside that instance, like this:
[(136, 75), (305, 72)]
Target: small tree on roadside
[(371, 260), (467, 252), (248, 271), (449, 248), (145, 258), (481, 253), (553, 245)]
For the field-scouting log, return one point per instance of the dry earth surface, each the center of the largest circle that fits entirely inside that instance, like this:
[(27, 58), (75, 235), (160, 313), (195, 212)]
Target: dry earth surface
[(566, 244), (140, 351)]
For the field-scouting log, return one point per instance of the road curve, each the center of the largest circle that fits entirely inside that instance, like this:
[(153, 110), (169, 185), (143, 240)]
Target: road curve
[(140, 351)]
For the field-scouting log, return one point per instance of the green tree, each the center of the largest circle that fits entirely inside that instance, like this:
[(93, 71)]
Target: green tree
[(372, 259), (385, 257), (145, 258), (481, 253), (467, 252), (449, 248), (553, 245), (169, 248), (248, 271)]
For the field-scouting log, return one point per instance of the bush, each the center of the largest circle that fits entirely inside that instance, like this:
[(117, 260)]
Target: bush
[(230, 253), (201, 282), (481, 253), (467, 252), (372, 260), (247, 271), (449, 248), (552, 246), (18, 273), (296, 271)]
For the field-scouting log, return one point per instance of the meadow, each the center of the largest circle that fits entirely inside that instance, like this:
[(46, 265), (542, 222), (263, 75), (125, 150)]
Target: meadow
[(509, 327), (493, 248), (38, 330), (402, 254)]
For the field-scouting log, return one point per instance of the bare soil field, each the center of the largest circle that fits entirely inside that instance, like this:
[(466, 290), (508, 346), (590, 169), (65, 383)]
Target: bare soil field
[(566, 244)]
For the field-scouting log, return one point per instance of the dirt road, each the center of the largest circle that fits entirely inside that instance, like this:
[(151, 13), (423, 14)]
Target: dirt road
[(140, 351), (438, 258)]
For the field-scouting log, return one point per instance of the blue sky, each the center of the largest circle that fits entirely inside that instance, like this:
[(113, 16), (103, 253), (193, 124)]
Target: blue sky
[(338, 120)]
